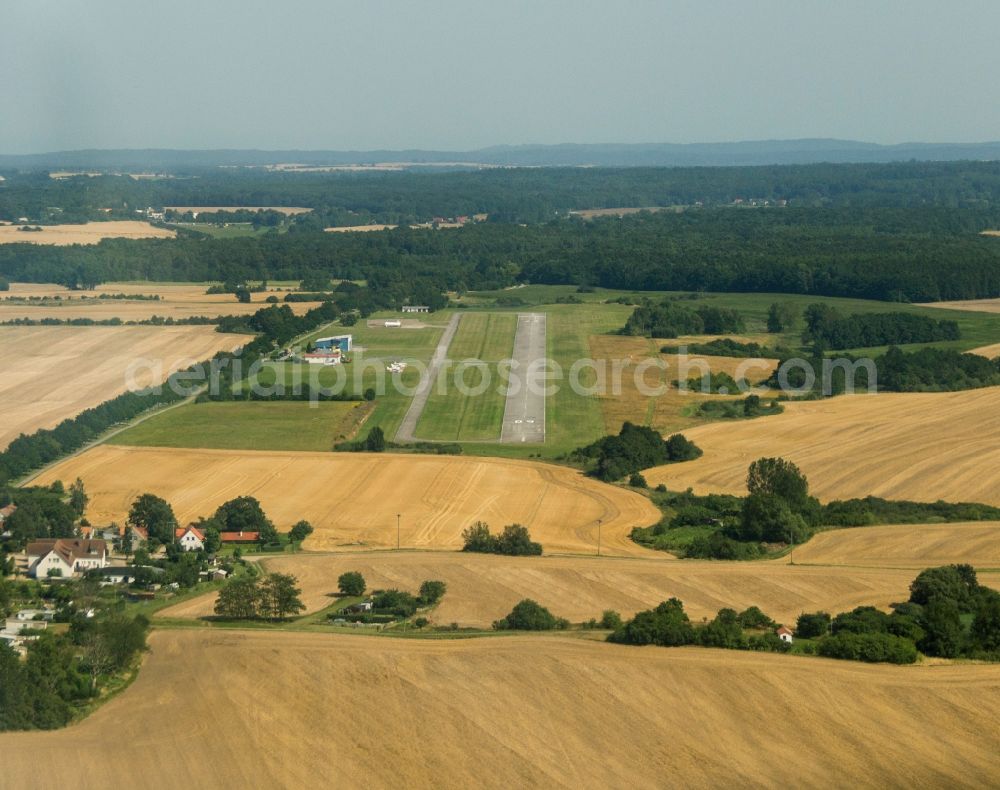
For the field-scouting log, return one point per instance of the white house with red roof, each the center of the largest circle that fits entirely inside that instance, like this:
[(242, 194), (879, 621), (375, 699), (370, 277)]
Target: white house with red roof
[(784, 634), (190, 538), (65, 557)]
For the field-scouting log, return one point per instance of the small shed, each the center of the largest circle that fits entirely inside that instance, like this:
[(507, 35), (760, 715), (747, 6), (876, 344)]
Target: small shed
[(784, 634)]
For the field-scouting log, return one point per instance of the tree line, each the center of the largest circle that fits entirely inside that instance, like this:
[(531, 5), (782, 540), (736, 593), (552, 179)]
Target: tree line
[(827, 327)]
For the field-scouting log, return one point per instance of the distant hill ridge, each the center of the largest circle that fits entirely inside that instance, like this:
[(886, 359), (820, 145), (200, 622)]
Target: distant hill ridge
[(762, 152)]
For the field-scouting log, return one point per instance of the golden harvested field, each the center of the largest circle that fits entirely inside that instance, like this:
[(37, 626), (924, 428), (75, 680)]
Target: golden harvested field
[(907, 546), (352, 499), (272, 709), (670, 411), (358, 228), (972, 305), (288, 211), (483, 588), (591, 213), (918, 446), (87, 233), (990, 352), (176, 301), (51, 373)]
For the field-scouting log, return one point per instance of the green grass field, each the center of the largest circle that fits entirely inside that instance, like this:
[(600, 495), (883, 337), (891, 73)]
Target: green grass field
[(453, 416), (244, 425)]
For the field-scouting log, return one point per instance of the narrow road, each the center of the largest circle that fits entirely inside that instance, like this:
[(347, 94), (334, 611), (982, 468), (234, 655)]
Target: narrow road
[(408, 427), (524, 411)]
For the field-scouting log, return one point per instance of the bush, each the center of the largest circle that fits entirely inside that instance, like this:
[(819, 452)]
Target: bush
[(870, 647), (666, 625), (753, 617), (637, 481), (395, 602), (351, 583), (431, 592), (529, 616), (611, 619), (812, 625)]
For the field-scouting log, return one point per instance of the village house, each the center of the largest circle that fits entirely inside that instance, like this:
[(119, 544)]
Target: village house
[(190, 538), (784, 634), (6, 512), (65, 557)]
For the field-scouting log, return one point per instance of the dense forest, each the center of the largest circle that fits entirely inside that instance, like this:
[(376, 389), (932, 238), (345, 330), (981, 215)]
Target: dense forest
[(888, 254), (507, 194)]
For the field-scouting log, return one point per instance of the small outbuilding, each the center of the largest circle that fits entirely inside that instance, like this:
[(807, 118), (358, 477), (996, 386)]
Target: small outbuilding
[(784, 634)]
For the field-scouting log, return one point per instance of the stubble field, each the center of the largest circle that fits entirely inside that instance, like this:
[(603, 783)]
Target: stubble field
[(87, 233), (176, 301), (484, 588), (917, 446), (245, 709), (352, 498), (51, 373)]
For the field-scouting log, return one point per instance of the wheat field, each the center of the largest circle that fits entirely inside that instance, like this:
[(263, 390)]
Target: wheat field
[(352, 499), (280, 709), (51, 373), (484, 588), (87, 233), (918, 446)]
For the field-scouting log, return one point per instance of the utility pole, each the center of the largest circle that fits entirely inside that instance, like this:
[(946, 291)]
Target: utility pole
[(599, 522), (397, 530)]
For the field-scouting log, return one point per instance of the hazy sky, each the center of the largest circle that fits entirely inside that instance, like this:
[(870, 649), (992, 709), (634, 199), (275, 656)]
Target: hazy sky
[(453, 75)]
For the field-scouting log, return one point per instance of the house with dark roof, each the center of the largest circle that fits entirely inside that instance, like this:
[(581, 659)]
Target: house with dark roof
[(65, 556)]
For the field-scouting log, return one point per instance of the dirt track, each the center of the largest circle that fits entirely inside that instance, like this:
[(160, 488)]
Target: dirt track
[(245, 709)]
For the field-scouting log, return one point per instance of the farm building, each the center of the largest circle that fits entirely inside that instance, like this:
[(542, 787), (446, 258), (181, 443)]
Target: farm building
[(7, 512), (416, 308), (784, 634), (330, 357), (393, 322), (342, 343), (239, 537)]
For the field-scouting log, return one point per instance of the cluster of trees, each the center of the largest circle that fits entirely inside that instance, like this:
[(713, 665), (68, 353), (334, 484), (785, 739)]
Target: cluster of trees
[(727, 347), (750, 406), (949, 614), (63, 671), (515, 540), (42, 512), (670, 319), (924, 370), (528, 615), (390, 604), (635, 447), (668, 625), (250, 597), (827, 327)]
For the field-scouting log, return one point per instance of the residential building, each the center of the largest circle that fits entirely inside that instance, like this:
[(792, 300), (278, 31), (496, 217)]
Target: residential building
[(65, 556), (190, 538)]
